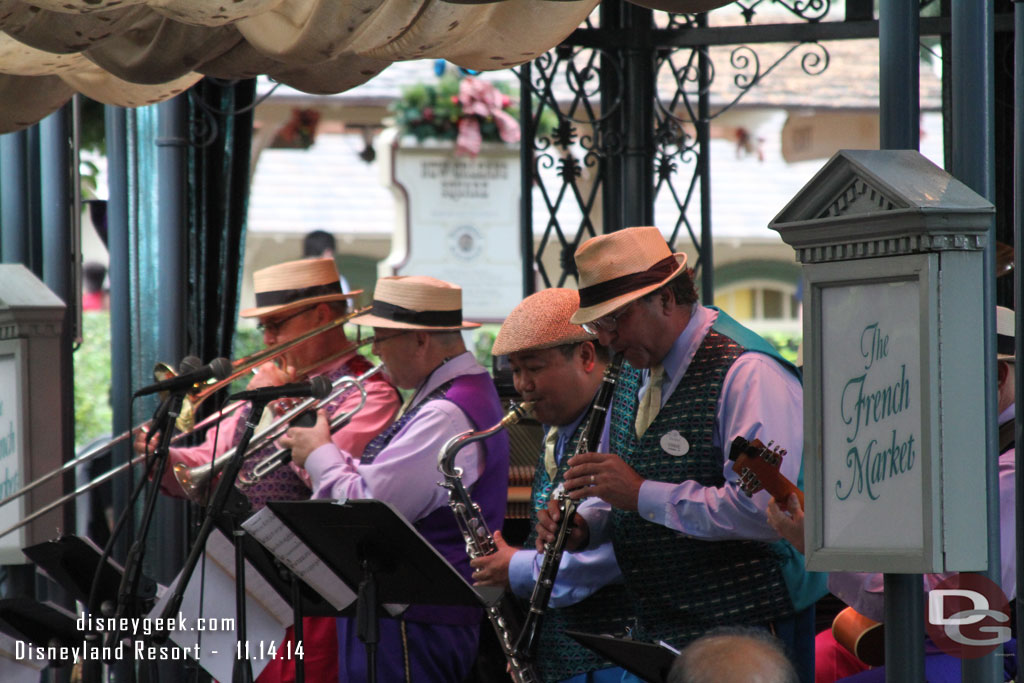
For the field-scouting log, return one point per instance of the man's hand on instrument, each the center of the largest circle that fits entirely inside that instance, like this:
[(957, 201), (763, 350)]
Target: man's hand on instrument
[(270, 375), (606, 476), (547, 528), (143, 442), (304, 440), (788, 523), (492, 570)]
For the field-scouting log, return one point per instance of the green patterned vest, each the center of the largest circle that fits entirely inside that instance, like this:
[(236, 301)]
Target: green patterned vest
[(680, 586), (607, 611)]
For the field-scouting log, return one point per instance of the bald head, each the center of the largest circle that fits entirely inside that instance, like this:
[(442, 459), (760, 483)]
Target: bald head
[(733, 655)]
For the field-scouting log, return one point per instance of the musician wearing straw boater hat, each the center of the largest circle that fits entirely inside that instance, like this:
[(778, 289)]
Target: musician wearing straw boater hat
[(417, 323), (864, 591), (693, 379), (293, 299), (558, 367)]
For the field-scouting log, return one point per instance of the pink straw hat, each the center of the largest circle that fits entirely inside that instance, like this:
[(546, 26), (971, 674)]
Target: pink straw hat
[(415, 302), (295, 284), (621, 267), (541, 321)]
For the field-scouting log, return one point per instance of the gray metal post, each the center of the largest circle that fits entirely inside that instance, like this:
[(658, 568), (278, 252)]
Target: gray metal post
[(1018, 278), (14, 205), (526, 177), (899, 113), (118, 243), (58, 253), (973, 140), (171, 158), (703, 126)]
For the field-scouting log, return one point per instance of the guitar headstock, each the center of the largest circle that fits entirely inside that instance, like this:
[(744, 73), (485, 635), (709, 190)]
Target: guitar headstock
[(758, 468)]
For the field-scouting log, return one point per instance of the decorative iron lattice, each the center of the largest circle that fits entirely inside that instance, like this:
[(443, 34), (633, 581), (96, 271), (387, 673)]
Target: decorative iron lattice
[(568, 163), (583, 88)]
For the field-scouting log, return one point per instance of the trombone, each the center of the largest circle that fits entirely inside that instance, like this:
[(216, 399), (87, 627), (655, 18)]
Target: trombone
[(195, 481), (200, 393)]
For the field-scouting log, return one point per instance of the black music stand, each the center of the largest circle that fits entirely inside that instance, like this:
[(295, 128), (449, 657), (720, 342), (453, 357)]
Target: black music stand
[(369, 544), (648, 661), (72, 561), (40, 623)]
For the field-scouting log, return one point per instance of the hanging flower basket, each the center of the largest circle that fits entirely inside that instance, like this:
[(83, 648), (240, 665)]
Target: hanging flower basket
[(467, 111)]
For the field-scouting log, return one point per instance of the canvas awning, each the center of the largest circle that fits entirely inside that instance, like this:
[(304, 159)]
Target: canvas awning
[(136, 52)]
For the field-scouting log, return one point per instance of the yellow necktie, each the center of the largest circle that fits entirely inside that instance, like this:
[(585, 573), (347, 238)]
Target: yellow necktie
[(550, 441), (651, 403)]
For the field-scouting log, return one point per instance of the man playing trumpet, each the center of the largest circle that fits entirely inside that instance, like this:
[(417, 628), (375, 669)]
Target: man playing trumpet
[(292, 299), (558, 367), (417, 323)]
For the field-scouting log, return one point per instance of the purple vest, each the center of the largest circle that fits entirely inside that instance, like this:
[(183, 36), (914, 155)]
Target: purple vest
[(476, 396)]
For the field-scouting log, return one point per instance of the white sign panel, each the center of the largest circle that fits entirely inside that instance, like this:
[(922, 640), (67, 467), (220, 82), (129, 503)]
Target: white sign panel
[(463, 225), (871, 395), (11, 451)]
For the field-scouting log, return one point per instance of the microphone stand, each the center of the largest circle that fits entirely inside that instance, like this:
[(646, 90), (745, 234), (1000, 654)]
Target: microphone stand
[(218, 507), (127, 598)]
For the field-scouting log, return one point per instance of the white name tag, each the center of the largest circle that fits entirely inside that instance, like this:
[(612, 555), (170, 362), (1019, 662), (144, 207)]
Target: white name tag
[(675, 443)]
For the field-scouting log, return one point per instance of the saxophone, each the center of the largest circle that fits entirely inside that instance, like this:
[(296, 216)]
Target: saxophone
[(504, 615), (529, 636)]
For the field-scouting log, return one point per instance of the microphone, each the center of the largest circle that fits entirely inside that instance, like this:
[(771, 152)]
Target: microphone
[(219, 368), (318, 387)]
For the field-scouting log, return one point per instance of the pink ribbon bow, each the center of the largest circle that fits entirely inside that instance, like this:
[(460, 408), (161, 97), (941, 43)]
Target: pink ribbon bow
[(480, 98)]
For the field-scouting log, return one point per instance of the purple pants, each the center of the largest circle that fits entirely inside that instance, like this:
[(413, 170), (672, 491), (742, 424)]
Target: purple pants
[(425, 653)]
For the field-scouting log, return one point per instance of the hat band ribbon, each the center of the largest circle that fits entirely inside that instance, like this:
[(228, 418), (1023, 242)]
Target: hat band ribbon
[(400, 314), (286, 296), (1005, 345), (609, 289)]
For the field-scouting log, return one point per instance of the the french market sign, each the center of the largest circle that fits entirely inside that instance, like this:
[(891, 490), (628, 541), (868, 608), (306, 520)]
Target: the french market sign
[(892, 250)]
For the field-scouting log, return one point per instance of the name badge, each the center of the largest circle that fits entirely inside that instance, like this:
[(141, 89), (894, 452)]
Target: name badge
[(675, 443)]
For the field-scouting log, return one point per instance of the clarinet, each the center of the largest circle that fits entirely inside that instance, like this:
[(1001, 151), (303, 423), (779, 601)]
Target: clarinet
[(529, 637), (504, 615)]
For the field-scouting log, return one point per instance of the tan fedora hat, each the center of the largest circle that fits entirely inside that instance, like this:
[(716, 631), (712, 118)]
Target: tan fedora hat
[(294, 284), (541, 321), (415, 302), (1006, 324), (621, 267)]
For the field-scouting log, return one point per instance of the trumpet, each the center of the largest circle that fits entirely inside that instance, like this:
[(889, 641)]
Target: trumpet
[(187, 425), (195, 481)]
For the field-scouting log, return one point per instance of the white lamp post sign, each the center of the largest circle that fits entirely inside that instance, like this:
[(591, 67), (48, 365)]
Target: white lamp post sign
[(894, 452)]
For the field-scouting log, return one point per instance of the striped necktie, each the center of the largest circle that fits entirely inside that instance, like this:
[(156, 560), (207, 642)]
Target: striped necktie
[(651, 403)]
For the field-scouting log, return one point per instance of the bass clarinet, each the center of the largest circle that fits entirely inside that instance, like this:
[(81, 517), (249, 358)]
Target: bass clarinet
[(504, 616), (529, 637)]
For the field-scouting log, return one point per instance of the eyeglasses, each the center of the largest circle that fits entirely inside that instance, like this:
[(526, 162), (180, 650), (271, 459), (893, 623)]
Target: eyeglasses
[(274, 326), (379, 339), (606, 323)]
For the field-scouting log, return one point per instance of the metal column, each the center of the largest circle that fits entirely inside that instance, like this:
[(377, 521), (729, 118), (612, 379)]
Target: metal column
[(899, 113), (973, 140)]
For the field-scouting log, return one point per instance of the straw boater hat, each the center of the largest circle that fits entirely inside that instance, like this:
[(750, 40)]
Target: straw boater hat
[(1005, 327), (415, 302), (294, 284), (620, 267), (541, 321)]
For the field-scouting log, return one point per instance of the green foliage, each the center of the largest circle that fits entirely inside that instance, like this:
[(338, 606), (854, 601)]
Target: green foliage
[(786, 343), (93, 414)]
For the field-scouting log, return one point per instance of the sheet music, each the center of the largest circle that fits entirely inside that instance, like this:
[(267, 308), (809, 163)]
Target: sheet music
[(267, 615), (275, 535), (15, 669)]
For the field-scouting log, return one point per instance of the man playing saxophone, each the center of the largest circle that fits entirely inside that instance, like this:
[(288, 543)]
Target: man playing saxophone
[(558, 367), (294, 298), (417, 325)]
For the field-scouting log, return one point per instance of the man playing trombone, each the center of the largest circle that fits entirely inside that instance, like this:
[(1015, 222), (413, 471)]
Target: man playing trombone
[(293, 299), (417, 322), (558, 366)]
